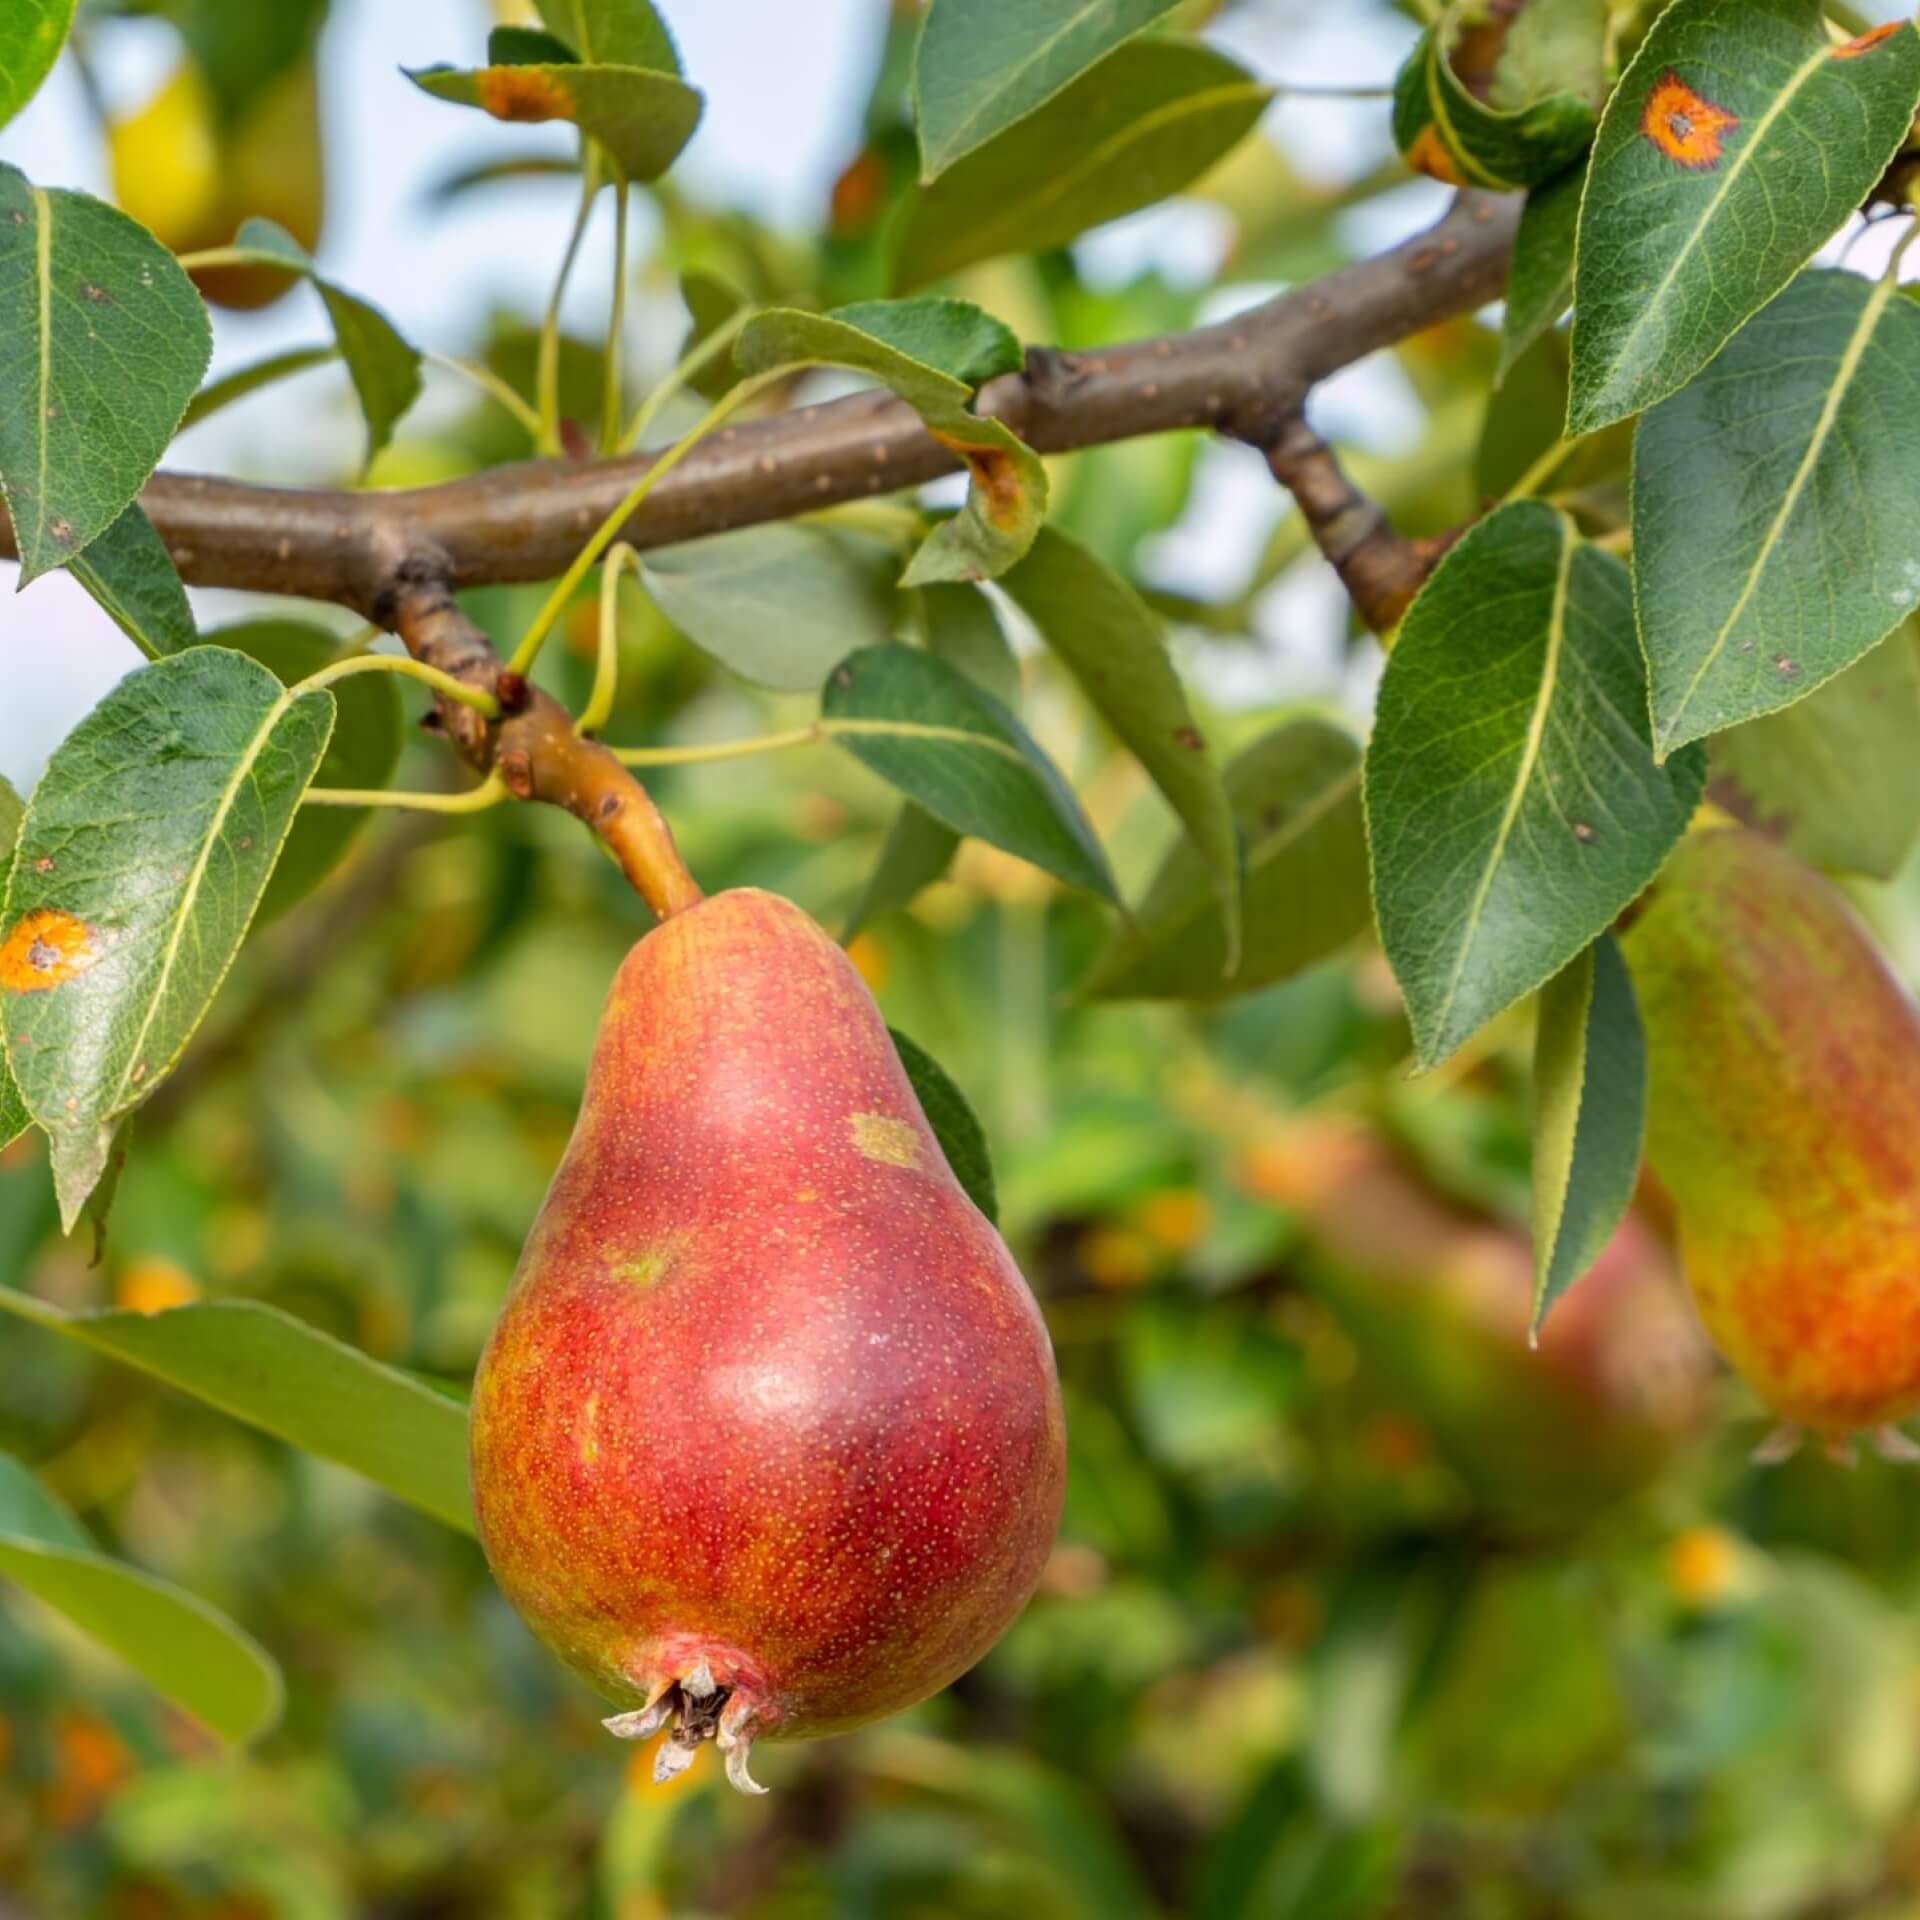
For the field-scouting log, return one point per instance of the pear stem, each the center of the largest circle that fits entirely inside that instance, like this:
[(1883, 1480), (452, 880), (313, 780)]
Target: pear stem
[(534, 746)]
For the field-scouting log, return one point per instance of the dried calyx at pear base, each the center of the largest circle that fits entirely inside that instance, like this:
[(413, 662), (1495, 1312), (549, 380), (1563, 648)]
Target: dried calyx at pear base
[(1784, 1119), (767, 1441)]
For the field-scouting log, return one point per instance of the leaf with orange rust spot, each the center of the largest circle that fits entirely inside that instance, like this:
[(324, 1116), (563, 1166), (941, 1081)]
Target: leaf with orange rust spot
[(523, 93), (46, 949), (145, 849), (640, 117), (1866, 42), (1734, 146), (933, 353), (1689, 130), (1506, 105)]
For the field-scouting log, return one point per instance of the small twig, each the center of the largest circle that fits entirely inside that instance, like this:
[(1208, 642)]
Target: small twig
[(491, 383), (1380, 569), (534, 744), (547, 372)]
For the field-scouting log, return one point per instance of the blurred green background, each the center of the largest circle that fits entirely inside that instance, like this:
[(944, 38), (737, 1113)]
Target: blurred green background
[(1360, 1608)]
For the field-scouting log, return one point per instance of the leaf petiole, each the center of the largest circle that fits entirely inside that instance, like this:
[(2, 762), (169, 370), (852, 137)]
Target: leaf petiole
[(442, 683), (606, 666), (489, 793)]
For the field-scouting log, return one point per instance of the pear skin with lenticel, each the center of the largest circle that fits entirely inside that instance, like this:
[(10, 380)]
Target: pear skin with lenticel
[(1784, 1120), (767, 1442)]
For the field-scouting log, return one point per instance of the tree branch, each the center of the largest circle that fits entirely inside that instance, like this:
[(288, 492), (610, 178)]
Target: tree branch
[(1245, 377), (399, 557), (1380, 569), (534, 743)]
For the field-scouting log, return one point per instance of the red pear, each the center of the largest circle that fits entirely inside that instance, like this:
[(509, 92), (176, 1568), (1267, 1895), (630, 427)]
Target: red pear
[(1784, 1119), (767, 1441)]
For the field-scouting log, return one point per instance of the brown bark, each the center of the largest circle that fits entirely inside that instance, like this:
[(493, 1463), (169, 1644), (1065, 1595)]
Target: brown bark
[(399, 557)]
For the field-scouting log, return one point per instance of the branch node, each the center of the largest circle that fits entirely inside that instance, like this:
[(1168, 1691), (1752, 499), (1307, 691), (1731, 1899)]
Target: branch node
[(1381, 570)]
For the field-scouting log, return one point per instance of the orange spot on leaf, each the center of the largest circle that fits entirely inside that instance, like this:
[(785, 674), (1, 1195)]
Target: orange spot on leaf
[(46, 949), (1684, 125), (1429, 155), (1853, 49), (523, 93), (997, 475)]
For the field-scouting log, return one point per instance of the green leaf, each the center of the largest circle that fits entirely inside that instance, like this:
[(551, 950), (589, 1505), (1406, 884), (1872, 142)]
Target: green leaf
[(1149, 119), (1112, 643), (955, 1125), (102, 342), (245, 380), (145, 849), (384, 368), (1513, 804), (932, 353), (640, 116), (1739, 139), (1540, 287), (963, 629), (130, 572), (14, 1117), (1296, 796), (1835, 775), (777, 604), (981, 65), (1774, 503), (361, 752), (32, 33), (1589, 1117), (618, 33), (1445, 130), (188, 1652), (956, 750), (260, 1365)]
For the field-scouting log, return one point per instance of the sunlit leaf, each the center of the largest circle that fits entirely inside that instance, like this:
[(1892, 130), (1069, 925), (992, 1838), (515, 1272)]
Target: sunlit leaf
[(130, 572), (1589, 1117), (361, 752), (979, 66), (1296, 797), (102, 342), (1774, 503), (955, 1125), (933, 353), (1738, 140), (145, 849), (620, 33), (274, 1372), (32, 33), (1527, 130), (640, 116), (188, 1652), (1115, 648), (927, 729), (384, 367), (1149, 119), (1513, 804), (779, 604)]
